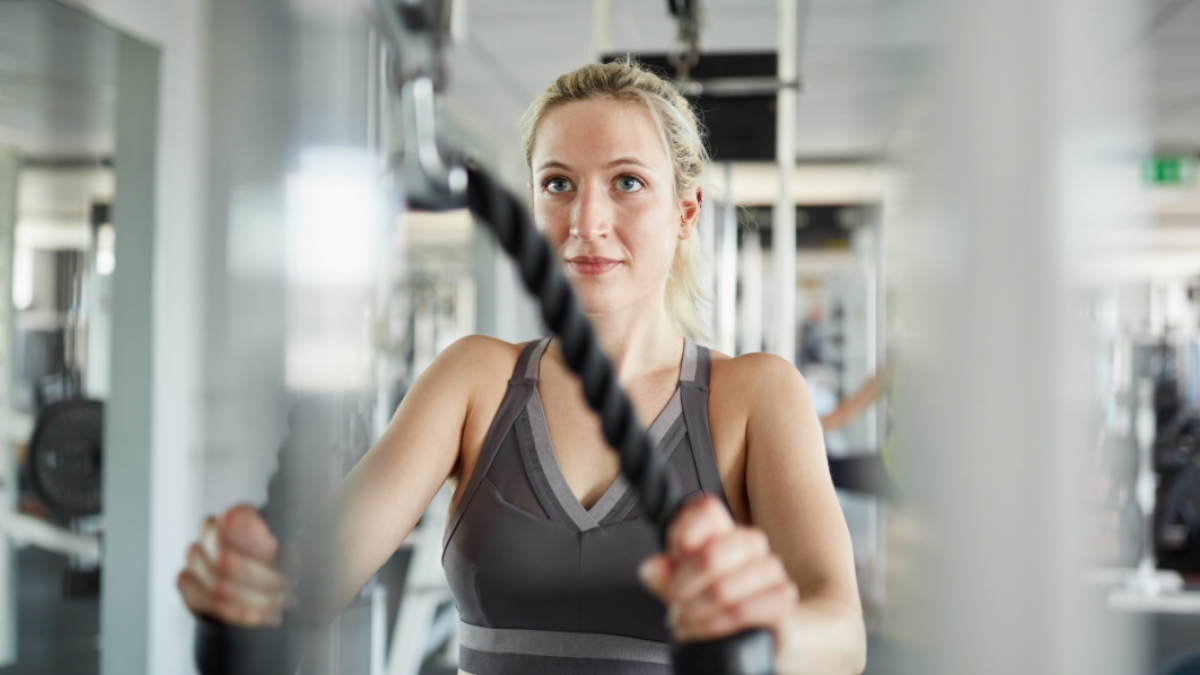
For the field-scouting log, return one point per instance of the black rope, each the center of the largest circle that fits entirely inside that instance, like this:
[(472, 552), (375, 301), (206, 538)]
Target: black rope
[(541, 275), (750, 652)]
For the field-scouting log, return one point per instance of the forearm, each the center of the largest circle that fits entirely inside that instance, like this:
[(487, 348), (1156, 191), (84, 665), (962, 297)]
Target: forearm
[(822, 636)]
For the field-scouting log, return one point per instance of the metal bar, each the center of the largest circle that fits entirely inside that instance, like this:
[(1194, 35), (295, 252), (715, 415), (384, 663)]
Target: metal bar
[(601, 33), (23, 529), (727, 270), (10, 171), (752, 291), (783, 231)]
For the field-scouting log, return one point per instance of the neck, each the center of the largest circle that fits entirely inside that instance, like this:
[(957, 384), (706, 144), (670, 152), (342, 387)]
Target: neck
[(638, 342)]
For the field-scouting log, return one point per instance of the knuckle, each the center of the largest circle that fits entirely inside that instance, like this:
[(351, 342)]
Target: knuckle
[(221, 611), (252, 616), (774, 566), (710, 558), (738, 613), (231, 612), (184, 581), (678, 534), (751, 540), (721, 593), (671, 594), (223, 591), (195, 553), (227, 562), (758, 540)]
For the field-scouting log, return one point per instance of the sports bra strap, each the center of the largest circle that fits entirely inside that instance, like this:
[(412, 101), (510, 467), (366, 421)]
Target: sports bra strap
[(531, 356)]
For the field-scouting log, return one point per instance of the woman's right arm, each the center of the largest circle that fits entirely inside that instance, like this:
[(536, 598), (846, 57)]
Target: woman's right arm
[(384, 496), (236, 568)]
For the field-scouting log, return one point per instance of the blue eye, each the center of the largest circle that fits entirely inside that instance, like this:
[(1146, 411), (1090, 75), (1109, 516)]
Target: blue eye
[(629, 184), (556, 184)]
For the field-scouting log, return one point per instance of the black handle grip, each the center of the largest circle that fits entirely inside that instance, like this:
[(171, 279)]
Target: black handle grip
[(750, 652), (221, 649)]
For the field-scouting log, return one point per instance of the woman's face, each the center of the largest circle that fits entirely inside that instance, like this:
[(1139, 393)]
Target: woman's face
[(604, 194)]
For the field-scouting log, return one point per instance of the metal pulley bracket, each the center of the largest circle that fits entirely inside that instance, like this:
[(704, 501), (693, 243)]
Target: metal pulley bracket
[(417, 32), (687, 14), (428, 180)]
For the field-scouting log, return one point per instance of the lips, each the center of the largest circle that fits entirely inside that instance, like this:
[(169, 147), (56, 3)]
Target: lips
[(590, 264)]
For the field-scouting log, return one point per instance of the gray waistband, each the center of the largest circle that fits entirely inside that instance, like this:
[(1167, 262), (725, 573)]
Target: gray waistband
[(556, 643)]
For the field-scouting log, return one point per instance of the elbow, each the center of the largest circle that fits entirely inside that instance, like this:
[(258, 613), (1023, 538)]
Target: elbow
[(828, 639), (852, 656), (858, 657), (856, 648)]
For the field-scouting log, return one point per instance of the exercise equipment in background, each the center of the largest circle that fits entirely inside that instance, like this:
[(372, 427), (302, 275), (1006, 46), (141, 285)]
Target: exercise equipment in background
[(66, 456)]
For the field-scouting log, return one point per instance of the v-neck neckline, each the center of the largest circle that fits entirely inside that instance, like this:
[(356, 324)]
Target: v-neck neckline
[(618, 487)]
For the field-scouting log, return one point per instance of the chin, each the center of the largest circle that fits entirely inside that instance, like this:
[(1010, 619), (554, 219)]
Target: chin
[(597, 301)]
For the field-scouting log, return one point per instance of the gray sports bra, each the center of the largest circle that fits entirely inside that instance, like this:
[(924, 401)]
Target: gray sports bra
[(544, 585)]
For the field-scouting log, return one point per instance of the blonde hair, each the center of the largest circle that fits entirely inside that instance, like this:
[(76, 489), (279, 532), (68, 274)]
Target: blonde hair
[(626, 80)]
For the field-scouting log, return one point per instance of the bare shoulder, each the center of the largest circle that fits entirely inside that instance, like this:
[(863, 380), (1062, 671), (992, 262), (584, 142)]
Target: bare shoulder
[(752, 378), (749, 396), (477, 358), (483, 346)]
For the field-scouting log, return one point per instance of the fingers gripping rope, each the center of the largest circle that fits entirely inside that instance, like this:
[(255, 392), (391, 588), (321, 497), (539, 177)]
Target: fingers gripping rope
[(541, 275)]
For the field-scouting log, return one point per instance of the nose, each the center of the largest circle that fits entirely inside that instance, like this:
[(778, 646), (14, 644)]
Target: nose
[(592, 216)]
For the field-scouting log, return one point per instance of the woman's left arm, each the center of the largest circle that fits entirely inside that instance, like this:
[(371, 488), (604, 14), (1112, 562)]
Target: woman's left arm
[(792, 572)]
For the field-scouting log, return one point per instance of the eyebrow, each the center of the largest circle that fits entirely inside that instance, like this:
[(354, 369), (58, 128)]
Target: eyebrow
[(620, 161)]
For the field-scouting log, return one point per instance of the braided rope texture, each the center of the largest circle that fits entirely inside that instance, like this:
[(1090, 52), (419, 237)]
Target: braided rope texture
[(509, 220)]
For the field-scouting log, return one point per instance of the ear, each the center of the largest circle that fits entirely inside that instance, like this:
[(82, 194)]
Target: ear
[(689, 211)]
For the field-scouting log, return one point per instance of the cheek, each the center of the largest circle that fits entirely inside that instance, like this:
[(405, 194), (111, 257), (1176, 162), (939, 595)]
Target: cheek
[(549, 224), (658, 252)]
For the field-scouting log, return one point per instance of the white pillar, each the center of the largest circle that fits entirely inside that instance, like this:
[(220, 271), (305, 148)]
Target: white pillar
[(783, 229), (752, 291), (601, 29), (10, 167), (1035, 144), (706, 229), (125, 624), (727, 271)]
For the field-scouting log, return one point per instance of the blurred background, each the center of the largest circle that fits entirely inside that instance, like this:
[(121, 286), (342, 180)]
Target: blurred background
[(973, 226)]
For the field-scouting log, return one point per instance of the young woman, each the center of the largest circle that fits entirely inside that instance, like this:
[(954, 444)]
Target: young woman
[(545, 545)]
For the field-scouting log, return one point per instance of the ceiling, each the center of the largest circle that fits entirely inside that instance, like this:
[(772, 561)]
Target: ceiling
[(858, 59), (57, 80), (1174, 36)]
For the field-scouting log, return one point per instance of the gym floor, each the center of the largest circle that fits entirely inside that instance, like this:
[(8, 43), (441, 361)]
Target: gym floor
[(54, 636)]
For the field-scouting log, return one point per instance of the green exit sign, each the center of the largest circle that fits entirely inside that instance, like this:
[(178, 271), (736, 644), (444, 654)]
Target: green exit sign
[(1169, 171)]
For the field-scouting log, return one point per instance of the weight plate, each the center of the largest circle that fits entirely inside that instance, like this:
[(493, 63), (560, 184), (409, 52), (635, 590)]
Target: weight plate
[(66, 457)]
